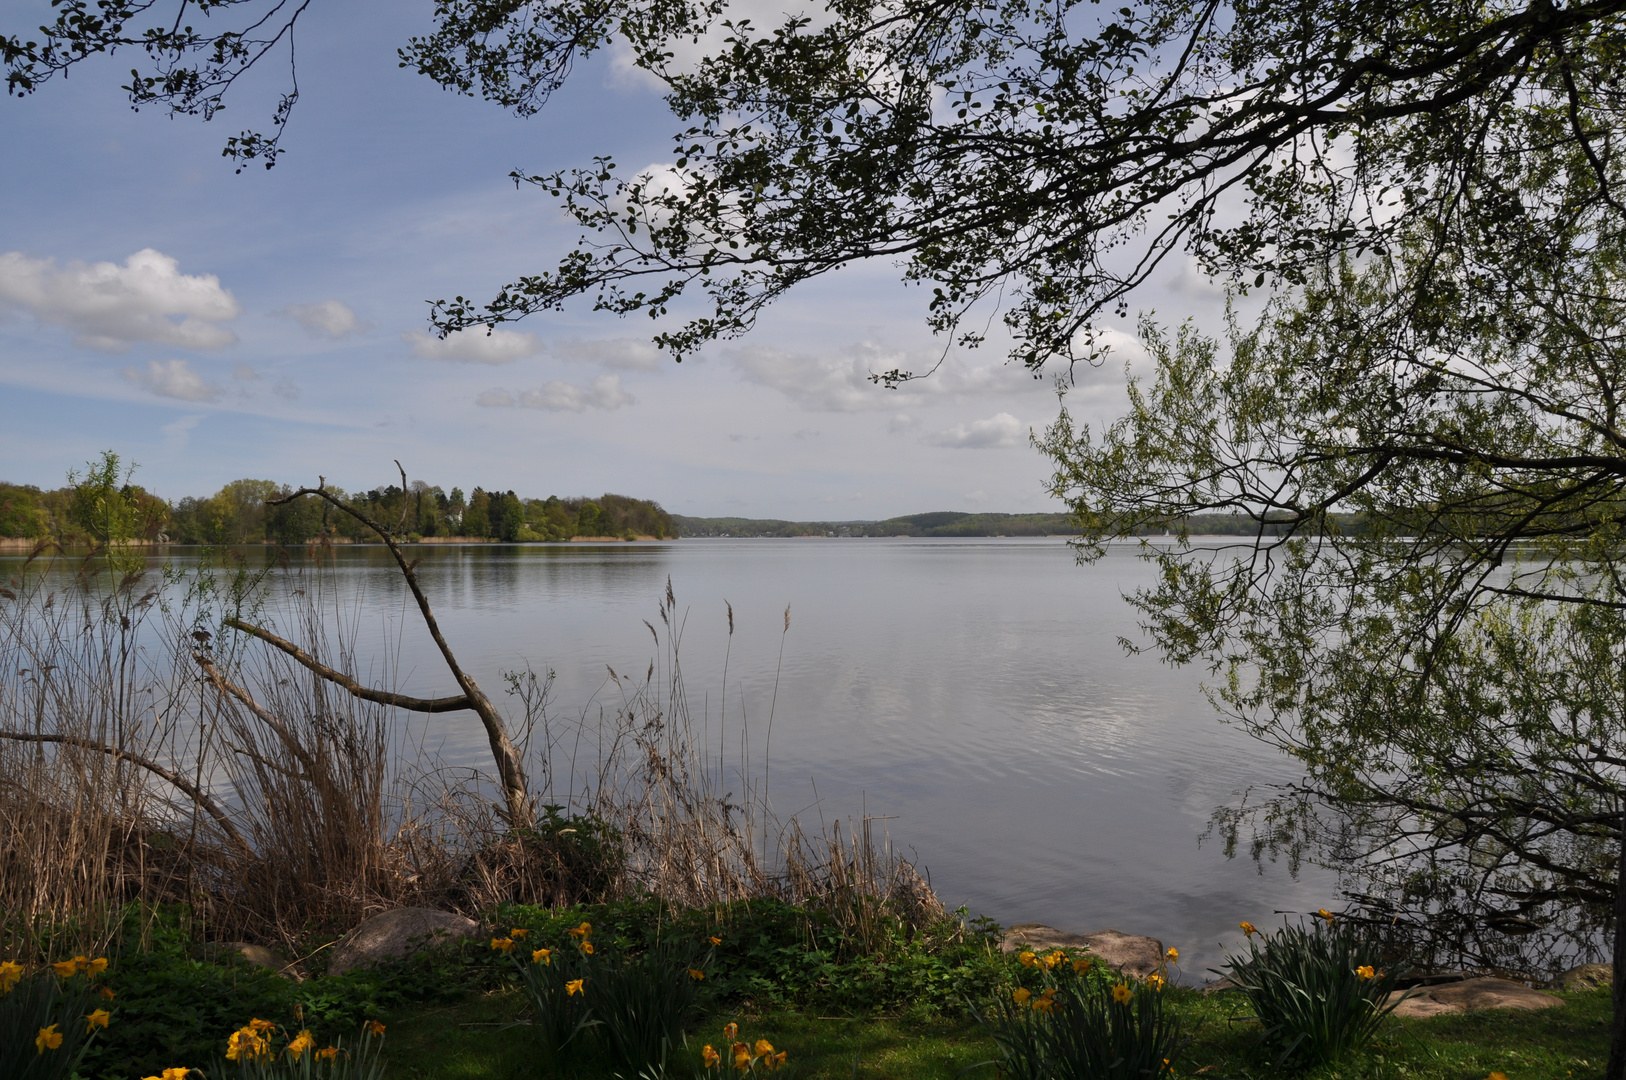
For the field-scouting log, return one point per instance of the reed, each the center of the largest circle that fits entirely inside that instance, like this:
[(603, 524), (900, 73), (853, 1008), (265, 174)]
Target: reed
[(152, 755)]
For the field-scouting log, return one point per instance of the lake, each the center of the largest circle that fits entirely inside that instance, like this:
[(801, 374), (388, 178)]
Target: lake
[(972, 691)]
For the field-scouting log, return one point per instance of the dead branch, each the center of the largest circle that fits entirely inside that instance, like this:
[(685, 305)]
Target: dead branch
[(510, 768), (339, 678), (179, 782)]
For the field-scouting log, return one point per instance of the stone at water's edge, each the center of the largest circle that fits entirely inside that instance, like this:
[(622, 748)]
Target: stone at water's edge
[(1586, 977), (1482, 993), (1132, 954), (396, 933)]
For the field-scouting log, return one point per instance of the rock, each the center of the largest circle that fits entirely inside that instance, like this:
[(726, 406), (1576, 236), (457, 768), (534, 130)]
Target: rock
[(397, 933), (1132, 954), (1586, 977), (1481, 993), (259, 956)]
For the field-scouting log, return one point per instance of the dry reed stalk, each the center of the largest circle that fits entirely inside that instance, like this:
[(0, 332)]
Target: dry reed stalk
[(271, 798)]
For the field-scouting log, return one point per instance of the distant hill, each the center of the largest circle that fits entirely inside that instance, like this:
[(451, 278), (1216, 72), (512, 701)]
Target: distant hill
[(937, 523), (959, 523)]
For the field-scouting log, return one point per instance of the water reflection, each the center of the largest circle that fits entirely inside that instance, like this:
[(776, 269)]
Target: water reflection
[(972, 690)]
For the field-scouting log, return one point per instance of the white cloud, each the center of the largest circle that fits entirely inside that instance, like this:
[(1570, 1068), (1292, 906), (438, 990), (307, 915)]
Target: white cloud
[(174, 379), (605, 392), (996, 432), (476, 345), (625, 354), (842, 382), (109, 307), (332, 318)]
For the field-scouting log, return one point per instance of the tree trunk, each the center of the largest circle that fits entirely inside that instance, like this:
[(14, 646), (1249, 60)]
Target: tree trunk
[(1616, 1069)]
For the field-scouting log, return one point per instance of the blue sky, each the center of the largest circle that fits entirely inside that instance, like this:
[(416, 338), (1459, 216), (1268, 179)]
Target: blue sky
[(212, 326)]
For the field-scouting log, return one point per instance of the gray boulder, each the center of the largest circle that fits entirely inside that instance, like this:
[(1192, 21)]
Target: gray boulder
[(1132, 954), (397, 933)]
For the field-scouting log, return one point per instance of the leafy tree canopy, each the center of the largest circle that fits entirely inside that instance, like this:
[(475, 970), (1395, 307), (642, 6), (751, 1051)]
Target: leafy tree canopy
[(1041, 157)]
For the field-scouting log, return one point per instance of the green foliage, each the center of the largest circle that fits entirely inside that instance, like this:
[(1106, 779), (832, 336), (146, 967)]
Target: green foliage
[(21, 514), (46, 1022), (177, 1001), (1084, 1023), (1318, 992)]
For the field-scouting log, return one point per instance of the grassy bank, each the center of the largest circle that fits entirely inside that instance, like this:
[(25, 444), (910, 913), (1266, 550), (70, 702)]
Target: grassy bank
[(896, 1005), (468, 1041)]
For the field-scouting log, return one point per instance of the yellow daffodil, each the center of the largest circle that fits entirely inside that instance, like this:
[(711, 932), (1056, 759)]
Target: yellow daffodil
[(780, 1058), (301, 1043), (1325, 914), (97, 966), (519, 933), (730, 1031), (587, 947), (1026, 958), (10, 975), (1081, 965), (742, 1055), (574, 987), (696, 974), (1021, 994), (502, 944), (246, 1044), (1365, 972), (716, 941), (1248, 928), (1121, 994), (1155, 981), (97, 1019), (542, 956), (582, 931), (328, 1053), (1172, 954), (170, 1074), (374, 1028), (1496, 1076), (107, 992), (1044, 1005), (49, 1038), (764, 1048), (710, 1056), (66, 968), (257, 1024)]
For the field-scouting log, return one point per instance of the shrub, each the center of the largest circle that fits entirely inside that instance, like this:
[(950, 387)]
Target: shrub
[(1318, 990), (637, 1001), (49, 1017), (1084, 1023)]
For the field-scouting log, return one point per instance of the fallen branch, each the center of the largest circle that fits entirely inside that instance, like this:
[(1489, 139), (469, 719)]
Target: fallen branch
[(510, 768), (339, 678), (184, 785)]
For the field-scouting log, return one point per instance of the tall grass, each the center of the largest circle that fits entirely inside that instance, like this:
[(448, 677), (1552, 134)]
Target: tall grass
[(150, 755)]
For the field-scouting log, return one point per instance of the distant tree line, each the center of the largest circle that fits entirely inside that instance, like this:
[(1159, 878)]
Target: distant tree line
[(238, 514)]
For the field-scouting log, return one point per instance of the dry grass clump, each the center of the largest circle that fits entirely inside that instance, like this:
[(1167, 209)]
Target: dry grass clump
[(150, 754)]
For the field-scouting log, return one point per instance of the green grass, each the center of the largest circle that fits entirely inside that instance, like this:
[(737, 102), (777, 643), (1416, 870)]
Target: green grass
[(470, 1041)]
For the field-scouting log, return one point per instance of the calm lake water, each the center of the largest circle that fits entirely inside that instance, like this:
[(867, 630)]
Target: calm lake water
[(972, 691)]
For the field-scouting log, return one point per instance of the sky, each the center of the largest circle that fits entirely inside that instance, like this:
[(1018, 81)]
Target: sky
[(210, 326)]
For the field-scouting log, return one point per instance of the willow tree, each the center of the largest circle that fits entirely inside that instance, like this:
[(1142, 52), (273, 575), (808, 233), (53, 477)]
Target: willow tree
[(1430, 614)]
